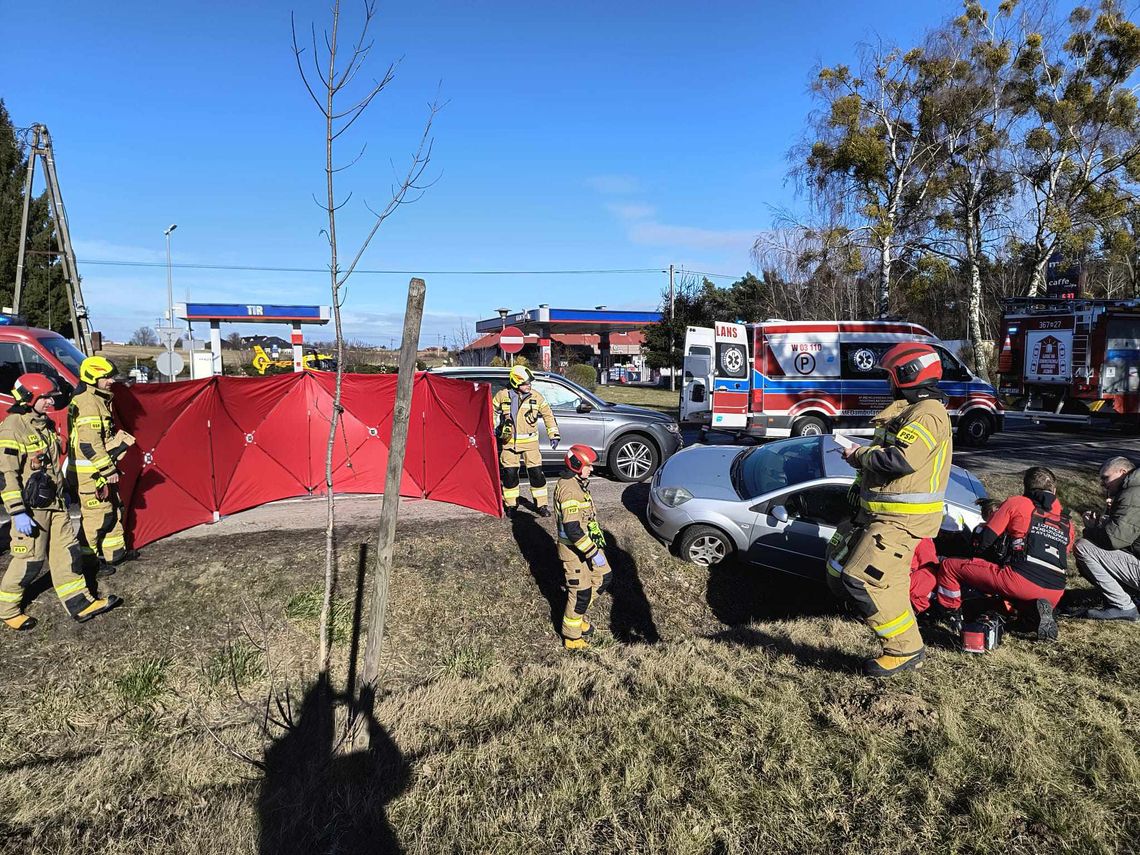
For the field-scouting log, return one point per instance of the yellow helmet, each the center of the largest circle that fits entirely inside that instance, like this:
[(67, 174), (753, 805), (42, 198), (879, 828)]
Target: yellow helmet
[(95, 368), (521, 375)]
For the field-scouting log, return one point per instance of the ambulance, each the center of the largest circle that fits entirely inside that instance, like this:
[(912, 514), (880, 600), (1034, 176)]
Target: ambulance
[(804, 378)]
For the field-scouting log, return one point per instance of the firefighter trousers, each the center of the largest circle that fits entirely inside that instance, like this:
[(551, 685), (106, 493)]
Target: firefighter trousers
[(511, 457), (584, 581), (100, 529), (52, 542), (875, 576)]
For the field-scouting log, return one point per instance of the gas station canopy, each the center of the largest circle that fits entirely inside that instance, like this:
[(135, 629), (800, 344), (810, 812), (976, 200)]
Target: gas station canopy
[(249, 313)]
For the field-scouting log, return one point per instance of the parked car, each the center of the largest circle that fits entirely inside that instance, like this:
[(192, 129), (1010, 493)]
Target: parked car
[(631, 442), (775, 505)]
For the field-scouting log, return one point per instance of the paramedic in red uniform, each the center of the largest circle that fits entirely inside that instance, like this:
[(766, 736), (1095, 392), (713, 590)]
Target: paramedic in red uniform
[(1033, 575)]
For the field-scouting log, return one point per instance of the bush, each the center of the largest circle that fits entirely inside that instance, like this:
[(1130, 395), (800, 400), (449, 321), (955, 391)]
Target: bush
[(583, 375), (523, 361), (497, 362)]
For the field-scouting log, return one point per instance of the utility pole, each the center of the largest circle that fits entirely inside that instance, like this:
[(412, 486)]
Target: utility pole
[(672, 315), (41, 148)]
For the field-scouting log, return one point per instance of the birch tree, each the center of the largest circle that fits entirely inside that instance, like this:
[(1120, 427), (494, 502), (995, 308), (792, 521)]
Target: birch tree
[(871, 149)]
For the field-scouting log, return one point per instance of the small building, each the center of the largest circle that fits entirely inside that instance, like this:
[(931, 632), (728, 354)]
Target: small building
[(612, 341)]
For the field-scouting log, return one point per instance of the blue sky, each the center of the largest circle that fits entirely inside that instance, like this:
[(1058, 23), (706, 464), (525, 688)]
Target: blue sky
[(575, 136)]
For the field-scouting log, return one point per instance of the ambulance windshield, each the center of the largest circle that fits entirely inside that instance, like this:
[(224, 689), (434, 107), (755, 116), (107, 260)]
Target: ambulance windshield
[(757, 471)]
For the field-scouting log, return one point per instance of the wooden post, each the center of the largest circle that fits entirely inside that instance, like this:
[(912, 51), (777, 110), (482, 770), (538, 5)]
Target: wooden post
[(386, 533)]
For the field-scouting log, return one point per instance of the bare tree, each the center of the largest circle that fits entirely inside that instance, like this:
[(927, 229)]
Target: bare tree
[(329, 83), (144, 336)]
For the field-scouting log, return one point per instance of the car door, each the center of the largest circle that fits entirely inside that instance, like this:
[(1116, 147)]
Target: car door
[(796, 540), (586, 427)]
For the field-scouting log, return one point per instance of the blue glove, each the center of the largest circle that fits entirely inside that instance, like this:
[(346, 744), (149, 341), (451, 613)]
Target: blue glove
[(24, 524), (599, 559), (554, 443)]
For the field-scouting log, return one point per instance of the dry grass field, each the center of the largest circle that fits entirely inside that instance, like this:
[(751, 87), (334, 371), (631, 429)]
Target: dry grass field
[(719, 712)]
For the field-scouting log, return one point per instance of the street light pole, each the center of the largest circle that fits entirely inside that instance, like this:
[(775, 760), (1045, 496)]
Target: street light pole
[(169, 292)]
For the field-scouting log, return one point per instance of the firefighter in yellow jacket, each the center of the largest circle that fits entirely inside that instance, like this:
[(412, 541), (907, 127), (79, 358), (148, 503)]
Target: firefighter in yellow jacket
[(581, 545), (32, 489), (96, 444), (518, 411), (901, 486)]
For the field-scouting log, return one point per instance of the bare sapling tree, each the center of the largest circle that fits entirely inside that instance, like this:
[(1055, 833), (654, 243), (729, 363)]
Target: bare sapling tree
[(329, 78)]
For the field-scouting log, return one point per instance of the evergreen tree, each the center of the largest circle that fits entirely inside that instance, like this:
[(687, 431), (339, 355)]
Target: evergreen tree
[(44, 297)]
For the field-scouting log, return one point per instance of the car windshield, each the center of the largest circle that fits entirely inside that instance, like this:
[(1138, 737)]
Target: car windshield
[(63, 350), (756, 471)]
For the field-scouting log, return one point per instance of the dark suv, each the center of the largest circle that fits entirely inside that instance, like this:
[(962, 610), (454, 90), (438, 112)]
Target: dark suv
[(631, 442)]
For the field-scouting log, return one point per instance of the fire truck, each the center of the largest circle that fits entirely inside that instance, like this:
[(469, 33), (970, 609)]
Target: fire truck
[(803, 378), (1065, 360)]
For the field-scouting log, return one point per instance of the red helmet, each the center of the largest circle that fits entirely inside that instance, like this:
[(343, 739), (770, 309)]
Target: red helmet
[(30, 388), (912, 364), (580, 456)]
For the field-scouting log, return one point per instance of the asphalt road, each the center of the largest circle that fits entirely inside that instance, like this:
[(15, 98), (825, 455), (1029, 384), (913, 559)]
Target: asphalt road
[(1007, 453)]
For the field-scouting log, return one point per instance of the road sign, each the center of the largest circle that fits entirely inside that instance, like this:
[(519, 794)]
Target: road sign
[(170, 364), (511, 340), (168, 336)]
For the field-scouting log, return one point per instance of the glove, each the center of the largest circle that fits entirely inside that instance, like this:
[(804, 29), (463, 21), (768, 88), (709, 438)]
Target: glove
[(599, 559), (554, 443), (24, 524)]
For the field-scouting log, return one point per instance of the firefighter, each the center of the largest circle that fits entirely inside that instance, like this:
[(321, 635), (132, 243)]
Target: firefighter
[(1031, 572), (96, 444), (519, 409), (32, 490), (901, 487), (581, 546)]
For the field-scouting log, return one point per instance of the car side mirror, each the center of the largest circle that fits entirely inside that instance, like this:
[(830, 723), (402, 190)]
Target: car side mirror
[(780, 513), (585, 407)]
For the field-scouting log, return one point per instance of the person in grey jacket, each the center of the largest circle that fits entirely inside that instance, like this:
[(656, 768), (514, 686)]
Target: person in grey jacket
[(1109, 553)]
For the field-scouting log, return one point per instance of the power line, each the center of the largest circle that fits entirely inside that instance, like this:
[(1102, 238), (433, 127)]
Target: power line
[(325, 270)]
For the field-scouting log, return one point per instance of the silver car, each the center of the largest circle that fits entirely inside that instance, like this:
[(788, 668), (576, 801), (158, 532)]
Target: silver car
[(631, 442), (776, 505)]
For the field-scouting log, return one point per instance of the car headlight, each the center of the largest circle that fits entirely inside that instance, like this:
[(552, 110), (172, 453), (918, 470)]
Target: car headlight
[(673, 496), (672, 427)]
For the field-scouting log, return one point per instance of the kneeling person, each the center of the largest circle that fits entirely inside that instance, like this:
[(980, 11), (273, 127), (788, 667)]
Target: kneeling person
[(32, 489), (580, 545), (1033, 572)]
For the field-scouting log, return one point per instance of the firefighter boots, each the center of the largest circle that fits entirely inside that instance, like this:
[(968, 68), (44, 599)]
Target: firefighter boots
[(575, 644), (888, 665), (97, 607), (20, 622), (587, 628), (1046, 623)]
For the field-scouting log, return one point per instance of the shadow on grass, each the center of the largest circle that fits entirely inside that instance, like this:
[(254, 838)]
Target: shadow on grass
[(631, 616), (538, 549), (318, 795)]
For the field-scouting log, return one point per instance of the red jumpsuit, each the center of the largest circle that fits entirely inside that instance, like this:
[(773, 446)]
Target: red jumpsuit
[(923, 567), (1025, 578)]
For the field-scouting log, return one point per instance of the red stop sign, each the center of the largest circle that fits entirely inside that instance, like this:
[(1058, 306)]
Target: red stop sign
[(511, 340)]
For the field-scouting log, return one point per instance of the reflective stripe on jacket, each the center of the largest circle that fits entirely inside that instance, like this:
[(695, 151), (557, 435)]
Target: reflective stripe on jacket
[(24, 436), (522, 414), (917, 438), (574, 509)]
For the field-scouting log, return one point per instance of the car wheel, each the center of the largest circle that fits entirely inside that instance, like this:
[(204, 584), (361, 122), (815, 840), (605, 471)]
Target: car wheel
[(974, 429), (634, 458), (809, 426), (705, 546)]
